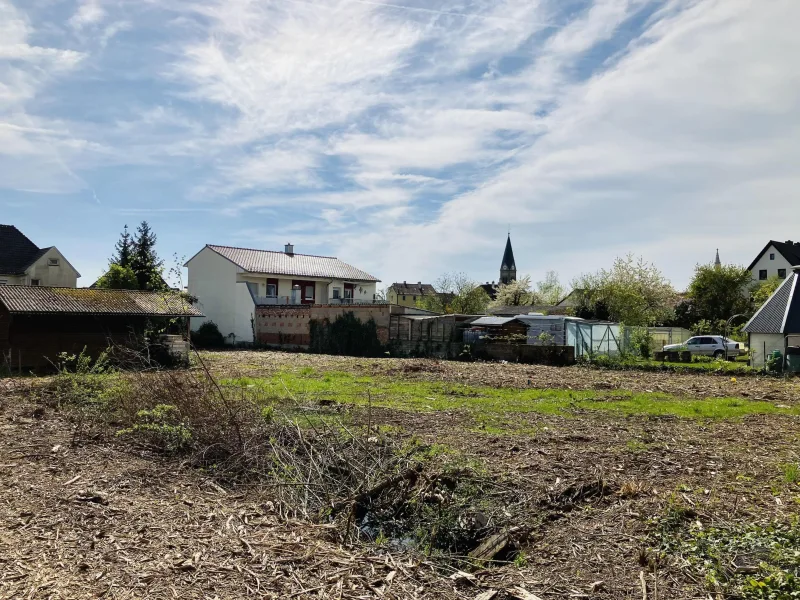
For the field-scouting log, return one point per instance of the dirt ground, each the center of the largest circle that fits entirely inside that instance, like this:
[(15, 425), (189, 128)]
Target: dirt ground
[(99, 519)]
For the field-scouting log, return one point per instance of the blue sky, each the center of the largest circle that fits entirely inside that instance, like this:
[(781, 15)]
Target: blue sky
[(406, 136)]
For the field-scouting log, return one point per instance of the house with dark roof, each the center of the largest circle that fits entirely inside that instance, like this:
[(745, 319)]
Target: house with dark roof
[(23, 263), (776, 259), (39, 323), (230, 283), (407, 294), (776, 325)]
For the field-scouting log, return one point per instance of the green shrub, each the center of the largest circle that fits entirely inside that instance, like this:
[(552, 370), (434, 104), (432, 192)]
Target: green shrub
[(208, 335), (160, 428)]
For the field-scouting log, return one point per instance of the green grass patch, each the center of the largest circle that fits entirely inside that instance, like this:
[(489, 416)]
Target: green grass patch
[(484, 402)]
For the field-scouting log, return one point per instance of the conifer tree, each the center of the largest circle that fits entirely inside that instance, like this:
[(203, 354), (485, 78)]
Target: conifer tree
[(145, 263), (124, 250)]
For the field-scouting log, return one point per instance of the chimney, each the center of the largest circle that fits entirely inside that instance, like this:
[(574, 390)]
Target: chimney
[(789, 242), (405, 283), (289, 249)]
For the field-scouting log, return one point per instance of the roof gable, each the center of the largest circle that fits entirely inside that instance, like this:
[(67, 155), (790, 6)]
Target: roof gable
[(296, 265), (788, 249), (772, 317), (17, 252)]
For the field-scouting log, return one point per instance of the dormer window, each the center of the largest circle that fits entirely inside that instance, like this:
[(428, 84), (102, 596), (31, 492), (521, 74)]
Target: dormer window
[(52, 262)]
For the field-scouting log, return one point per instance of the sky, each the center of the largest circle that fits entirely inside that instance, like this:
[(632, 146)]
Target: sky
[(405, 137)]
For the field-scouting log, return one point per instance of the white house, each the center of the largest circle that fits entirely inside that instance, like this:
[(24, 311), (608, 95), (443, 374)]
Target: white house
[(23, 263), (776, 325), (775, 260), (230, 282)]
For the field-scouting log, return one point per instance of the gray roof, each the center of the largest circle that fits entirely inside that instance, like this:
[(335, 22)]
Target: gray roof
[(415, 289), (491, 321), (51, 300), (296, 265), (781, 313), (789, 250)]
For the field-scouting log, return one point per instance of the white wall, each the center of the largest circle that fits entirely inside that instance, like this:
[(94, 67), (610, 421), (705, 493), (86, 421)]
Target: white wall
[(245, 310), (758, 341), (61, 276), (12, 280), (212, 279), (771, 266)]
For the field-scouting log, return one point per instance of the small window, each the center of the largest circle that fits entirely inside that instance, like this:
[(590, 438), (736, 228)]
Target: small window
[(404, 298), (782, 273), (272, 290), (337, 293), (762, 274), (309, 293), (772, 256), (415, 298), (35, 282), (52, 262)]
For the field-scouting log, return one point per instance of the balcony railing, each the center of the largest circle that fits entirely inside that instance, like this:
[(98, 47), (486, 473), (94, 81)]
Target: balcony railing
[(290, 301)]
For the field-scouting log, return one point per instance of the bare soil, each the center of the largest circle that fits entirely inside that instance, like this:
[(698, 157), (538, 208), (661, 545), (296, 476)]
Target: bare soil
[(100, 519)]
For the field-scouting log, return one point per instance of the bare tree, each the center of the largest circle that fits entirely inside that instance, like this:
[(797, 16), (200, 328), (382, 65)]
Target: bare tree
[(456, 294)]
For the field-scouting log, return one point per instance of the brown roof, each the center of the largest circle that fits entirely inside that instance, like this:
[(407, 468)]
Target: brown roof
[(415, 289), (297, 265), (20, 299)]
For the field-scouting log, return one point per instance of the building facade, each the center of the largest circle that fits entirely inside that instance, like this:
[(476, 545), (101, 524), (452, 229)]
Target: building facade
[(776, 259), (229, 283), (407, 294), (23, 263)]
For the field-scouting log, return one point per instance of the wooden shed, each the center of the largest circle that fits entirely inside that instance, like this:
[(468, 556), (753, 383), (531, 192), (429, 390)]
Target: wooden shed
[(38, 323)]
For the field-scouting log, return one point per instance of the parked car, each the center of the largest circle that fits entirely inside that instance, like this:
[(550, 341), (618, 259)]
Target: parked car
[(708, 345)]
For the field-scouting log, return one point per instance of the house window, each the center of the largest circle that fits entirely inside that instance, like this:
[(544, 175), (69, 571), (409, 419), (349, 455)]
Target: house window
[(52, 262), (35, 282), (337, 293), (772, 256), (415, 298), (309, 292), (762, 274), (782, 273), (272, 288)]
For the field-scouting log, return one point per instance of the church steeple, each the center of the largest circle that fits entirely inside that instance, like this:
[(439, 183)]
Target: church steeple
[(508, 268), (717, 262)]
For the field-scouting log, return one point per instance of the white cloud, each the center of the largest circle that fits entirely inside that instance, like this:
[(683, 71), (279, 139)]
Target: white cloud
[(89, 13)]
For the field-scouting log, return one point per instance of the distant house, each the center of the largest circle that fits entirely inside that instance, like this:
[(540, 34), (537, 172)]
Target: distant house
[(776, 325), (23, 263), (39, 323), (230, 283), (407, 294), (776, 259)]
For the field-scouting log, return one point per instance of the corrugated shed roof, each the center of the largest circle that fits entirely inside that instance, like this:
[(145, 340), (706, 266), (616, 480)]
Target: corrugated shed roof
[(297, 265), (491, 321), (49, 300), (17, 252), (770, 317)]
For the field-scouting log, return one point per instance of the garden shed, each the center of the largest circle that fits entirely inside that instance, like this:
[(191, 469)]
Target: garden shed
[(39, 323), (776, 325)]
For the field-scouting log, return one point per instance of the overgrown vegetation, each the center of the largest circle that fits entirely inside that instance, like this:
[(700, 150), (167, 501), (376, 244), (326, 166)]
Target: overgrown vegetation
[(456, 294), (753, 561), (345, 336), (208, 335)]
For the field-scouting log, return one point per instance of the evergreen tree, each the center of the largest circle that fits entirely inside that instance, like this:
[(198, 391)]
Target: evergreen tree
[(118, 278), (145, 263), (124, 250)]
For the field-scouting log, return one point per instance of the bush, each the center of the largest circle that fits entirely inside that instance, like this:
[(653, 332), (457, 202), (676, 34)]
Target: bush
[(346, 336), (208, 335)]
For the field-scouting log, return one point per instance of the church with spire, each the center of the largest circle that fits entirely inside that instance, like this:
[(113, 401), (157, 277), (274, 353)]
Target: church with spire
[(508, 271)]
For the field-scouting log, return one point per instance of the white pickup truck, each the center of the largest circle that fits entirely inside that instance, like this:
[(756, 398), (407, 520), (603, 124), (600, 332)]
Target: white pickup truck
[(708, 345)]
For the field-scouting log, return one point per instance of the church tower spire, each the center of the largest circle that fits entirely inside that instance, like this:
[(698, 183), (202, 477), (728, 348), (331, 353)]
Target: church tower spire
[(717, 262), (508, 268)]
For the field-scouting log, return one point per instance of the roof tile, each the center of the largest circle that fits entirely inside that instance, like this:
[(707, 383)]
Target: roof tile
[(296, 265)]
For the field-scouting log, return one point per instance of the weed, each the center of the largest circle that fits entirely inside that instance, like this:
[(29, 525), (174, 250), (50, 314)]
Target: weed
[(521, 560), (791, 472), (160, 428), (636, 446)]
